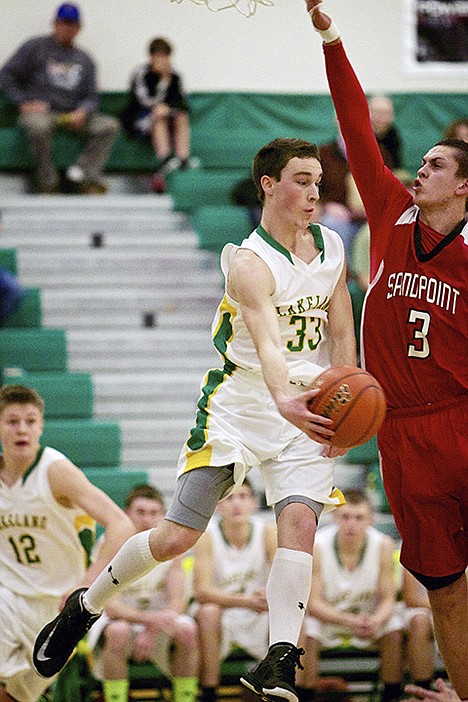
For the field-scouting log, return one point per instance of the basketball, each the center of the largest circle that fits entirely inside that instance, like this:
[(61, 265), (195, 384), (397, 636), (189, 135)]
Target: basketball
[(354, 400)]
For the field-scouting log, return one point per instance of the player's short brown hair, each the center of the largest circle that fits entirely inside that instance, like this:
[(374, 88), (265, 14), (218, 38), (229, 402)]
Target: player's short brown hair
[(144, 490), (159, 45), (461, 154), (274, 156), (20, 395), (355, 496), (460, 148)]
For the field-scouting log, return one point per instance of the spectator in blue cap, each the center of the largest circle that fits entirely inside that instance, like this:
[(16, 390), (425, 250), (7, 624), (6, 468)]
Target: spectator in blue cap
[(68, 13), (53, 83)]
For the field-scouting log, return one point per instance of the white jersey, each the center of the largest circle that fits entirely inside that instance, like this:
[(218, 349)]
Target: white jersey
[(354, 591), (239, 570), (44, 547), (238, 421), (149, 592), (350, 590), (301, 298)]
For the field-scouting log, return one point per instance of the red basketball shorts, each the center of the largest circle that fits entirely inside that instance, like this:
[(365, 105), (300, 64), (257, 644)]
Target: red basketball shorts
[(425, 472)]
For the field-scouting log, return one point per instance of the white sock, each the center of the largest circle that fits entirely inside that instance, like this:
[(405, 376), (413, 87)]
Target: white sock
[(129, 564), (287, 593)]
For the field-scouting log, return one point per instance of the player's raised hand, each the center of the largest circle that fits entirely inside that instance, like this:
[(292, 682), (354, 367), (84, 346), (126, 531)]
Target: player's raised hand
[(319, 18), (322, 22)]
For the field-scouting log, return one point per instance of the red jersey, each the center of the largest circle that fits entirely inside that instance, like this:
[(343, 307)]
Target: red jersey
[(414, 325)]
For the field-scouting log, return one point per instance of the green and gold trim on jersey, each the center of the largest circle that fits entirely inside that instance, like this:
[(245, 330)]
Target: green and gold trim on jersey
[(199, 452), (224, 330), (33, 465), (336, 494), (85, 527), (315, 231)]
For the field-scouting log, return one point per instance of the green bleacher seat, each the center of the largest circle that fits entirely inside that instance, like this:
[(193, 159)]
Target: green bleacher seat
[(66, 395), (29, 312), (8, 260), (217, 225), (131, 155), (86, 442), (198, 187), (33, 349), (116, 482), (14, 152)]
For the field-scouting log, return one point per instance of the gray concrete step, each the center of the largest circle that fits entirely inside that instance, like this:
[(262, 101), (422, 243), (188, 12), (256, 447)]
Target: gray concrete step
[(121, 299), (147, 314), (146, 378)]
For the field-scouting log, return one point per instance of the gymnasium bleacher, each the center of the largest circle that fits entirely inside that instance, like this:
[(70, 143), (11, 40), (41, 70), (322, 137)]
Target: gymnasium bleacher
[(113, 330), (36, 356)]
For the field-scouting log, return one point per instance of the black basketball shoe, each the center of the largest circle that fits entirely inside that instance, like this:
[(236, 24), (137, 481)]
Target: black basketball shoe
[(274, 677), (55, 642)]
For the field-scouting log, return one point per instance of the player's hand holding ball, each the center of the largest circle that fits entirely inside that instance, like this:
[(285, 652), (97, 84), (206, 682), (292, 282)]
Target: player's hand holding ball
[(354, 400)]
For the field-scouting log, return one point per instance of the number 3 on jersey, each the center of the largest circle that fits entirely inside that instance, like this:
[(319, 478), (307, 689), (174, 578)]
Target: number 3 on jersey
[(307, 331), (421, 321)]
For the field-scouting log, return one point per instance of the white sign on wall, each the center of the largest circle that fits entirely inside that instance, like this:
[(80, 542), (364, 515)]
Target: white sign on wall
[(437, 35)]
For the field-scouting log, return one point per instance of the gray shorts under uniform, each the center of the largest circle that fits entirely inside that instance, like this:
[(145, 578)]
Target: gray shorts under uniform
[(198, 491)]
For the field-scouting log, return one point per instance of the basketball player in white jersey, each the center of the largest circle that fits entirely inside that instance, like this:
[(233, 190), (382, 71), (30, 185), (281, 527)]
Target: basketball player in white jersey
[(232, 562), (352, 600), (286, 316), (47, 513), (147, 621)]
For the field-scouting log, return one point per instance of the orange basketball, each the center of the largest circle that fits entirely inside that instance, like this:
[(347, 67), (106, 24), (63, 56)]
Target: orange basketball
[(354, 400)]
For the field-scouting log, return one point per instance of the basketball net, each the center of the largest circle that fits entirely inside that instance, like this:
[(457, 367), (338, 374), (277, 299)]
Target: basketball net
[(245, 7)]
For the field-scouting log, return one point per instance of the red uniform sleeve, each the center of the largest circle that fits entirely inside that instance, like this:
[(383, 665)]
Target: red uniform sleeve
[(380, 190)]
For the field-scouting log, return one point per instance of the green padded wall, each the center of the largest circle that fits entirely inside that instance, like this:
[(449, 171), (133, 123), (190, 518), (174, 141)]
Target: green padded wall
[(227, 128), (66, 395), (33, 349), (29, 312), (86, 442)]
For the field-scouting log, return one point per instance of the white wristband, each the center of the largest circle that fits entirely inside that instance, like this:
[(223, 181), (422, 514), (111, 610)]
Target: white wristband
[(328, 35)]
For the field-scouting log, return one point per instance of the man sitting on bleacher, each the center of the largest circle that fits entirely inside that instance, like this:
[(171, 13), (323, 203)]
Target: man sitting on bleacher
[(53, 83), (352, 601)]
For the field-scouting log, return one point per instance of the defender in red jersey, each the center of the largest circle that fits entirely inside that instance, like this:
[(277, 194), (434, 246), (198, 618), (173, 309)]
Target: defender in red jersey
[(415, 333)]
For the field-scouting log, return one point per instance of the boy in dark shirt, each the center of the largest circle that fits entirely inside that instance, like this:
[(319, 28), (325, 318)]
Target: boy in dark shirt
[(158, 109)]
